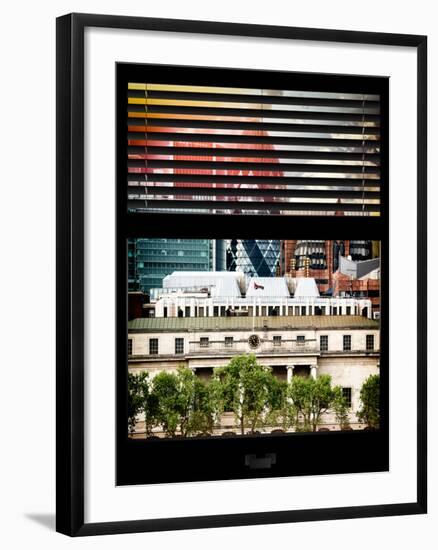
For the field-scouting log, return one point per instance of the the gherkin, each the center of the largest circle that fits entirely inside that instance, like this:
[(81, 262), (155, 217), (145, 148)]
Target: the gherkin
[(254, 257)]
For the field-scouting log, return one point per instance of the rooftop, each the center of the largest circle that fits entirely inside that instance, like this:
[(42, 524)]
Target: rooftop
[(220, 283), (358, 270), (306, 287), (267, 286), (176, 324)]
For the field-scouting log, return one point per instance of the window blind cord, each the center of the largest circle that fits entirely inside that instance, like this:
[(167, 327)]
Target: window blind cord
[(146, 147), (363, 155)]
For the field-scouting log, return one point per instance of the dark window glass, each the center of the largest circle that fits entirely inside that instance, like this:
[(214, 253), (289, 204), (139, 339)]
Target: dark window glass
[(179, 345), (204, 342), (323, 343), (153, 346), (346, 394)]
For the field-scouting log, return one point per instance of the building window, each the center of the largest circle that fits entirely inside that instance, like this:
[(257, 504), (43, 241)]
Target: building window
[(348, 310), (346, 394), (301, 339), (370, 342), (229, 340), (204, 342), (277, 340), (129, 346), (179, 345), (347, 342), (153, 346), (323, 343)]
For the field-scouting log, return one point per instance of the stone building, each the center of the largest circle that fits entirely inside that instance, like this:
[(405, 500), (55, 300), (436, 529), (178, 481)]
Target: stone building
[(219, 294), (344, 346)]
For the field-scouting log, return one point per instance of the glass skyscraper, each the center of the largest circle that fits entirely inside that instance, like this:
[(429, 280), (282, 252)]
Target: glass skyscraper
[(150, 260), (254, 257)]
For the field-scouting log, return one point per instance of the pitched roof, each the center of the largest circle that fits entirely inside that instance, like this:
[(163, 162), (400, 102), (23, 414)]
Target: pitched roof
[(306, 287), (220, 283), (200, 324), (358, 270), (267, 286)]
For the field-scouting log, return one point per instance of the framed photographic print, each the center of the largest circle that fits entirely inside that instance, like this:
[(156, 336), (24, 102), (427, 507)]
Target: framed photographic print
[(239, 209)]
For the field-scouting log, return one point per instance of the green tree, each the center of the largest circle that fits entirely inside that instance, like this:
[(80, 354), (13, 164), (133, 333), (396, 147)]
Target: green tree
[(370, 397), (341, 408), (205, 408), (249, 390), (135, 399), (141, 399), (280, 413), (165, 388), (183, 403), (309, 399)]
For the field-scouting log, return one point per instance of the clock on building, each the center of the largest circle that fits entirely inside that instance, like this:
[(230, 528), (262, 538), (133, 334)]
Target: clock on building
[(254, 341)]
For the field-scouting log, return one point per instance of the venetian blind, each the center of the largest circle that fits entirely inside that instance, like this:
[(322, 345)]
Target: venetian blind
[(252, 151)]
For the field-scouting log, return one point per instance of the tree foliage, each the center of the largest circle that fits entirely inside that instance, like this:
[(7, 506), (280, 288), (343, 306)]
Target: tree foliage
[(310, 398), (249, 390), (341, 409), (184, 403), (170, 404), (135, 397), (370, 398), (180, 403)]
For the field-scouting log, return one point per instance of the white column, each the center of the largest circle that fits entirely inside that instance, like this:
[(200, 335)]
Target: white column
[(313, 370), (290, 372)]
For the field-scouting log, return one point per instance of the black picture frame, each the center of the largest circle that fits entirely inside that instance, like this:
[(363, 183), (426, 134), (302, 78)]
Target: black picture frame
[(70, 273)]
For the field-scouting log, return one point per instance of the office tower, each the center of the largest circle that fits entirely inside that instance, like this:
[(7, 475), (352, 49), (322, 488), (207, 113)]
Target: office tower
[(320, 258), (254, 257), (150, 260)]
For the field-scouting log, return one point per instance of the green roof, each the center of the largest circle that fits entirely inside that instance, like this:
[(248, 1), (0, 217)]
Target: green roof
[(176, 324)]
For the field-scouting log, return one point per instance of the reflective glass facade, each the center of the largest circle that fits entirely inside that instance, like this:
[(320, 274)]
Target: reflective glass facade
[(254, 257), (150, 260)]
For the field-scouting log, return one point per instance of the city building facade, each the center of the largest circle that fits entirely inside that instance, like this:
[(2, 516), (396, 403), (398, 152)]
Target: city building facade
[(150, 260), (219, 294), (344, 347), (254, 257), (320, 259)]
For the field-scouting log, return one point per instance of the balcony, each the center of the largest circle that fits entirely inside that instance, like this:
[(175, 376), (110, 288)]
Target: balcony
[(265, 348)]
